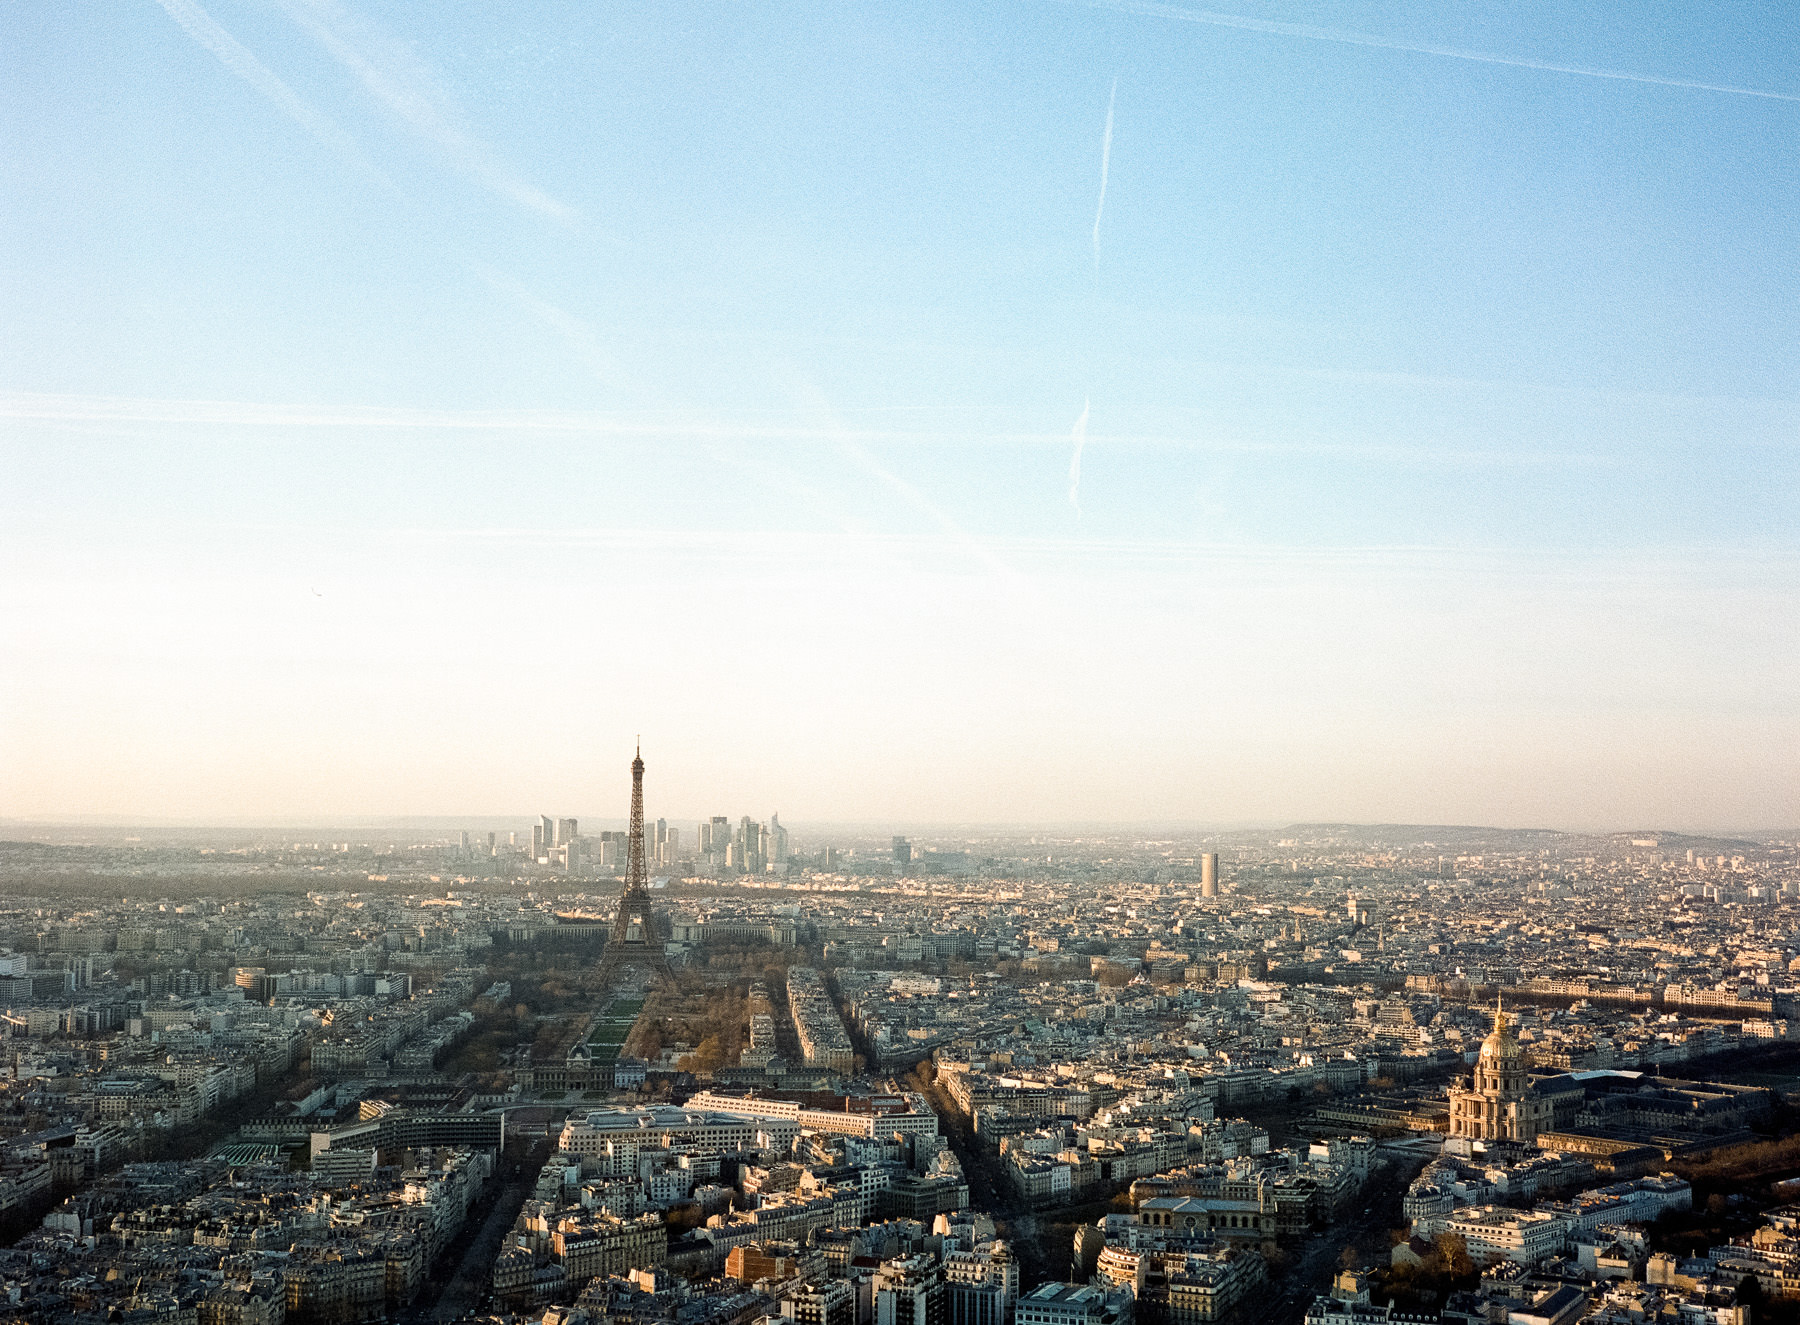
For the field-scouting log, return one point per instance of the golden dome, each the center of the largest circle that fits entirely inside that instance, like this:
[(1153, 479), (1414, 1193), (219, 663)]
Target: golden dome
[(1501, 1043)]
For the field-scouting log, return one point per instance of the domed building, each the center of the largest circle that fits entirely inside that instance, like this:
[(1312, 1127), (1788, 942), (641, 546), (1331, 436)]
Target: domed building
[(1500, 1104)]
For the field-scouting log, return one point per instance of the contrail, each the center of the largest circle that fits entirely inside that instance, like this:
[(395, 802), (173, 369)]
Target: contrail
[(405, 85), (1105, 164), (412, 105), (202, 27), (1079, 435), (1344, 36), (850, 444), (579, 334)]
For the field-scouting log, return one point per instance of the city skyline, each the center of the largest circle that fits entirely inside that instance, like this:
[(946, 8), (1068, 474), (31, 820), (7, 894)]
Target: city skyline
[(596, 818), (449, 824), (964, 662)]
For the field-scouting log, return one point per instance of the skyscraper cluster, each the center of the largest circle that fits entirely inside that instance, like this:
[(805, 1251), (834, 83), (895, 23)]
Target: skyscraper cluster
[(557, 842), (560, 844), (750, 848)]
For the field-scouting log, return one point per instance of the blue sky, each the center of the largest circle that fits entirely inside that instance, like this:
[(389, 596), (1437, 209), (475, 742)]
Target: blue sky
[(401, 409)]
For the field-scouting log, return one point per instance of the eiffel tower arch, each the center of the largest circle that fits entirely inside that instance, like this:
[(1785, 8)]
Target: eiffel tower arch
[(638, 933)]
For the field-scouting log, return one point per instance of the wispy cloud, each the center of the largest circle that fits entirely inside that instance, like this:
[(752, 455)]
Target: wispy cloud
[(1769, 571), (1078, 434), (233, 54), (1105, 167), (396, 78), (678, 426), (1348, 37)]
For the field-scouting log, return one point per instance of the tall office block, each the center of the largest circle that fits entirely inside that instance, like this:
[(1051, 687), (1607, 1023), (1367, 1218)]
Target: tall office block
[(823, 1302), (909, 1291), (1209, 874), (750, 846)]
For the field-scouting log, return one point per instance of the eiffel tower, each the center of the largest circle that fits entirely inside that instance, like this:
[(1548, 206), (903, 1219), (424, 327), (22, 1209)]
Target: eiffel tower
[(638, 933)]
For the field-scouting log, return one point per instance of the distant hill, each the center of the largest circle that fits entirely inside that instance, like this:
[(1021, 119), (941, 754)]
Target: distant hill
[(1442, 835), (1465, 837)]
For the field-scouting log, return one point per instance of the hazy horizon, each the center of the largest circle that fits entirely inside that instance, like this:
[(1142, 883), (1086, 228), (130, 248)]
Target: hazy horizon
[(473, 823)]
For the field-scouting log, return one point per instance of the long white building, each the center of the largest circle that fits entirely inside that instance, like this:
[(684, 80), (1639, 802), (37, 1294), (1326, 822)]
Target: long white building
[(1495, 1233), (904, 1112), (609, 1131)]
